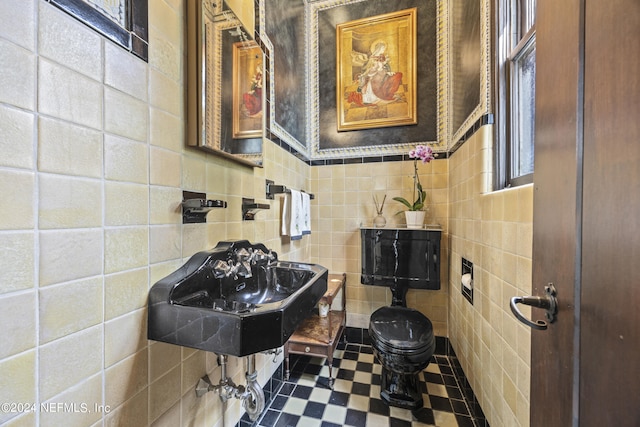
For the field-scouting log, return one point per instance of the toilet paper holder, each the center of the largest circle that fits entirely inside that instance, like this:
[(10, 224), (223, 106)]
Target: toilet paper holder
[(466, 280)]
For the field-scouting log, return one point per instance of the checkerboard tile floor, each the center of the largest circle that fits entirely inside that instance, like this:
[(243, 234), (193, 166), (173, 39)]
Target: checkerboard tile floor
[(306, 400)]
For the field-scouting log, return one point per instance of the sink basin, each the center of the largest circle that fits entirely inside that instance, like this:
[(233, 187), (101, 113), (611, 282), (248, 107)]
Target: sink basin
[(236, 299)]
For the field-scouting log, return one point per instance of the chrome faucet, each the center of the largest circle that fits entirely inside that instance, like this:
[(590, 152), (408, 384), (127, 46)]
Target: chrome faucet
[(260, 255), (241, 265), (229, 268)]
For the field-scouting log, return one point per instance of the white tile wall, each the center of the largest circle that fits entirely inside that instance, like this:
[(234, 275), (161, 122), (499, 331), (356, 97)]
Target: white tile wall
[(75, 46), (69, 254), (17, 88), (69, 95), (67, 149), (68, 308), (17, 129), (93, 167)]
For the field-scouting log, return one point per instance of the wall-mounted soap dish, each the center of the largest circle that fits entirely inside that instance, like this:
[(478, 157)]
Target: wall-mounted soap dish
[(195, 207), (250, 208)]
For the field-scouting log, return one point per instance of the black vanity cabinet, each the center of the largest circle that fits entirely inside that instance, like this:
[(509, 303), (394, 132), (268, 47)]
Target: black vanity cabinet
[(401, 256)]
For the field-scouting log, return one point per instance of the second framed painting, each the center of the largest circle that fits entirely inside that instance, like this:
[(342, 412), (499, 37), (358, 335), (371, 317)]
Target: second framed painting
[(376, 71), (247, 90)]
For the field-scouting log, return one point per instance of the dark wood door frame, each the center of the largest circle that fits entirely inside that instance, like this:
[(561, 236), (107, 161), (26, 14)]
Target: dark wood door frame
[(586, 240)]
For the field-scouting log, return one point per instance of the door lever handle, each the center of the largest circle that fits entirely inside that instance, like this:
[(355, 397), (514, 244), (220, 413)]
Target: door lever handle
[(547, 302)]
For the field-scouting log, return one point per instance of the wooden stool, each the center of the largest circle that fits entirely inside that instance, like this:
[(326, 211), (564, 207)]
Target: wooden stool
[(319, 336)]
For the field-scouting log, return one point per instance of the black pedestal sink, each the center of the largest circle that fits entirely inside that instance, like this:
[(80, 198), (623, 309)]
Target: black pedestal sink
[(235, 299)]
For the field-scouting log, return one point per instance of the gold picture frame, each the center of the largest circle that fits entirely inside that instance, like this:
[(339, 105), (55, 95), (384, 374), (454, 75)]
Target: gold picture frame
[(247, 90), (376, 69)]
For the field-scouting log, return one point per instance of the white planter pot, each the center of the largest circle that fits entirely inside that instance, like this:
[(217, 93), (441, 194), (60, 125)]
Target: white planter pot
[(415, 219)]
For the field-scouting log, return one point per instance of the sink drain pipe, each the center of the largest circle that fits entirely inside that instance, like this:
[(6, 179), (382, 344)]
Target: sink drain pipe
[(252, 396)]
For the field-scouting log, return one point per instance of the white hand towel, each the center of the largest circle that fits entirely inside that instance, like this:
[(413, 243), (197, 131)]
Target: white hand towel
[(296, 215), (306, 213), (286, 215)]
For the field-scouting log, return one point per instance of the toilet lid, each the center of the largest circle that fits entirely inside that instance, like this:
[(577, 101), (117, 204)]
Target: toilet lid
[(401, 327)]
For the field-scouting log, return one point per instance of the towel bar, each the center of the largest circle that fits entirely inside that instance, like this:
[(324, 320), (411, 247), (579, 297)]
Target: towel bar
[(272, 190)]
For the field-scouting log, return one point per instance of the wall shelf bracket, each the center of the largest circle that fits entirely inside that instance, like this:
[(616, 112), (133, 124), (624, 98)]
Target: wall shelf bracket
[(250, 208), (195, 207)]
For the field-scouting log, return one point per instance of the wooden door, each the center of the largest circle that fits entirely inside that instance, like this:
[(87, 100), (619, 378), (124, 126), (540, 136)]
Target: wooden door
[(556, 204), (585, 367), (610, 301)]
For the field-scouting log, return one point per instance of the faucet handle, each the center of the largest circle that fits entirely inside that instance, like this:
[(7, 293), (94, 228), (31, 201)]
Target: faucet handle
[(242, 254), (220, 268), (257, 255), (244, 269)]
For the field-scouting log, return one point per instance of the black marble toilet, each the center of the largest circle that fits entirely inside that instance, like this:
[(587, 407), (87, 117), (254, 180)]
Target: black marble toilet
[(402, 338)]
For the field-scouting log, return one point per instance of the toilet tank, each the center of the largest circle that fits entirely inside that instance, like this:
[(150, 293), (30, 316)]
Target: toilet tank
[(401, 256)]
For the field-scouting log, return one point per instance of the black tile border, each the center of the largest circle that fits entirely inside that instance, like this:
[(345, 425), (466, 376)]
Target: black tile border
[(369, 159), (486, 119), (475, 410)]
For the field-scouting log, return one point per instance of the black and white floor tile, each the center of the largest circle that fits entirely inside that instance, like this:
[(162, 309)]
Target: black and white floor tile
[(306, 400)]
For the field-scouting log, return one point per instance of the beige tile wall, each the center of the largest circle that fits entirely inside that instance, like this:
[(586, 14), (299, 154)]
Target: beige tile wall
[(94, 166), (345, 201), (494, 231), (92, 170)]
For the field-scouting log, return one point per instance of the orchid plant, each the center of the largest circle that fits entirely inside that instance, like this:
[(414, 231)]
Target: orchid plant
[(425, 154)]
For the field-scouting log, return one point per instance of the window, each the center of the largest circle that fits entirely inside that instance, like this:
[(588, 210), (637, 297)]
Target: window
[(515, 82)]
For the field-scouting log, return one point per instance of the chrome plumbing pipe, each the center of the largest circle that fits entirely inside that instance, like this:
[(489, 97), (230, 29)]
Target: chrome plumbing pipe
[(252, 395), (253, 399), (226, 387)]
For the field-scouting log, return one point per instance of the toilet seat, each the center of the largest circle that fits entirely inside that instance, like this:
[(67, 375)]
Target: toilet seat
[(401, 330), (402, 339)]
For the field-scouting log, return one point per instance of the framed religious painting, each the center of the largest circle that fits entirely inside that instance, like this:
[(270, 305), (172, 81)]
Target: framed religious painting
[(247, 90), (376, 68)]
